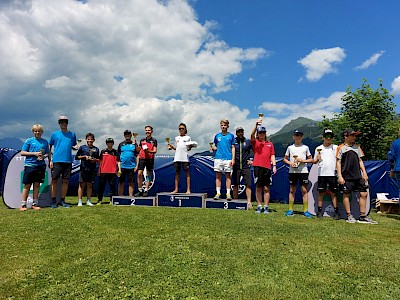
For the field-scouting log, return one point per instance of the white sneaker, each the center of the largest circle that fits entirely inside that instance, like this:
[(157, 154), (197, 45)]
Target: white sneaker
[(80, 203), (88, 203)]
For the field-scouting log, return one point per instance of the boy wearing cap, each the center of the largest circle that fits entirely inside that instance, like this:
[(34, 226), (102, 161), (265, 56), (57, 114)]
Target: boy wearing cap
[(242, 167), (88, 155), (147, 150), (60, 162), (128, 150), (36, 149), (349, 167), (181, 158), (325, 156), (297, 156), (264, 159), (224, 145), (109, 165)]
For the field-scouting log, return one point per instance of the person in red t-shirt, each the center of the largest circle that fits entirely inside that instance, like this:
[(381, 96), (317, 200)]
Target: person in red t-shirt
[(148, 148), (264, 157), (109, 165)]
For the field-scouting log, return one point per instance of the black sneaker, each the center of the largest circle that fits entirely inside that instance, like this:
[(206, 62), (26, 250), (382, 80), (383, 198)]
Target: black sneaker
[(139, 194), (336, 216), (320, 214), (145, 194)]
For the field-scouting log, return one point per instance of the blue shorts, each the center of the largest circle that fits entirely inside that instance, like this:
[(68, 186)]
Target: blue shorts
[(34, 174)]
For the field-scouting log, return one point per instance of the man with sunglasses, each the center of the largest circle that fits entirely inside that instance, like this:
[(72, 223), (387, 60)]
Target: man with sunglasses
[(325, 156), (60, 162), (181, 158)]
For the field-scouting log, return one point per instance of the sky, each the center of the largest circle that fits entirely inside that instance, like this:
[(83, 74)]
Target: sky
[(124, 64)]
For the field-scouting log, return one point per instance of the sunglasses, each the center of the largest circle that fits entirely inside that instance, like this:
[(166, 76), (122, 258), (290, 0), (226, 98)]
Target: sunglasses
[(182, 129), (328, 136), (63, 122)]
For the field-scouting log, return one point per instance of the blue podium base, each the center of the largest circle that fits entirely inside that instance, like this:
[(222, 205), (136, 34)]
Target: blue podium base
[(224, 204), (133, 201), (181, 200)]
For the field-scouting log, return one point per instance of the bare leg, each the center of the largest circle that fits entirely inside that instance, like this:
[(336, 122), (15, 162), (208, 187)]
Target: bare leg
[(267, 195), (363, 203), (259, 195), (346, 202), (177, 177), (236, 192), (131, 188), (140, 179), (89, 190), (121, 186), (292, 192), (187, 173), (305, 197), (64, 188)]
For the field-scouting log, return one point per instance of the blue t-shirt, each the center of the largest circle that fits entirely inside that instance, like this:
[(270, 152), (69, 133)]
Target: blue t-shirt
[(127, 153), (62, 142), (35, 145), (224, 145)]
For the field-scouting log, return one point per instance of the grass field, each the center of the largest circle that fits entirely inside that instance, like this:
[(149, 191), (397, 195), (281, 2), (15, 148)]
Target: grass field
[(107, 252)]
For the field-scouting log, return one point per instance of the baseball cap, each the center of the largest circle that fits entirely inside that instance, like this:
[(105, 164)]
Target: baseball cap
[(297, 132), (351, 131), (109, 140), (261, 129), (239, 128), (62, 118), (127, 132), (328, 132)]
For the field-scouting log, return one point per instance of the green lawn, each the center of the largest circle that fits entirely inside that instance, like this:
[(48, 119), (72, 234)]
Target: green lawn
[(168, 253)]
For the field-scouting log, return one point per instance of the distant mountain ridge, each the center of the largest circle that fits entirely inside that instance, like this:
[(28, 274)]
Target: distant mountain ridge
[(284, 137)]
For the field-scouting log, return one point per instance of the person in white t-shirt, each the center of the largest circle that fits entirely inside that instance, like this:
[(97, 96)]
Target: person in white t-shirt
[(297, 156), (325, 156), (181, 159)]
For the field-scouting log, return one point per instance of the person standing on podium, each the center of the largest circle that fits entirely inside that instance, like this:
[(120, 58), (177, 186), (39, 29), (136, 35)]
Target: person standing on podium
[(224, 145), (181, 159), (242, 166), (264, 161)]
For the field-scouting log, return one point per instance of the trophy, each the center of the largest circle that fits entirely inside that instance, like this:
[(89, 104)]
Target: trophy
[(41, 154), (260, 118), (211, 144), (295, 161), (319, 154), (168, 140), (135, 134), (91, 154)]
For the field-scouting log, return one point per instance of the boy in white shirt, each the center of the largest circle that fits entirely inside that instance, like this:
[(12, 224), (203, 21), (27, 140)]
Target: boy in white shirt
[(297, 156), (181, 159), (325, 156)]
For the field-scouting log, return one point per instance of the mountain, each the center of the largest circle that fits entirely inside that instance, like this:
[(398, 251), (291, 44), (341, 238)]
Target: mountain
[(283, 138), (11, 142)]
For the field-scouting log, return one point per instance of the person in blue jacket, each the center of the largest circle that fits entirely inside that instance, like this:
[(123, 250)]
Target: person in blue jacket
[(394, 158)]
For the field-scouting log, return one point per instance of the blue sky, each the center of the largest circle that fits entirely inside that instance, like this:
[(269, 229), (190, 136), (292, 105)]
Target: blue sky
[(123, 64)]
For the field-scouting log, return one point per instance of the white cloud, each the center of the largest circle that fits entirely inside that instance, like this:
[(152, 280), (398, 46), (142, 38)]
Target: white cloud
[(396, 86), (63, 57), (370, 61), (278, 114), (321, 62)]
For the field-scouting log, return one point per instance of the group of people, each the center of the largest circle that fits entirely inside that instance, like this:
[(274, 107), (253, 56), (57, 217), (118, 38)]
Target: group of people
[(339, 167)]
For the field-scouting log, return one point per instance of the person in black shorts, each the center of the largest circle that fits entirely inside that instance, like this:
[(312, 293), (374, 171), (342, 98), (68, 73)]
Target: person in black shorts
[(241, 169), (89, 156), (148, 148), (352, 176)]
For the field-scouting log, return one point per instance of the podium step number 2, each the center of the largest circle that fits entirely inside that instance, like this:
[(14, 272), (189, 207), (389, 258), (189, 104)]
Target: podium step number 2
[(132, 201)]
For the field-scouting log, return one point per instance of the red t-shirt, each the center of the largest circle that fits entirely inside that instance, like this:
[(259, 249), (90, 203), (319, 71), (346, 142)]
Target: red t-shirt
[(108, 161), (151, 143), (262, 153)]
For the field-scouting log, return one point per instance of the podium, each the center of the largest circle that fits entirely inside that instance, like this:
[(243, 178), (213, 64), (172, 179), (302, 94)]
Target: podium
[(225, 204), (133, 201), (181, 200)]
